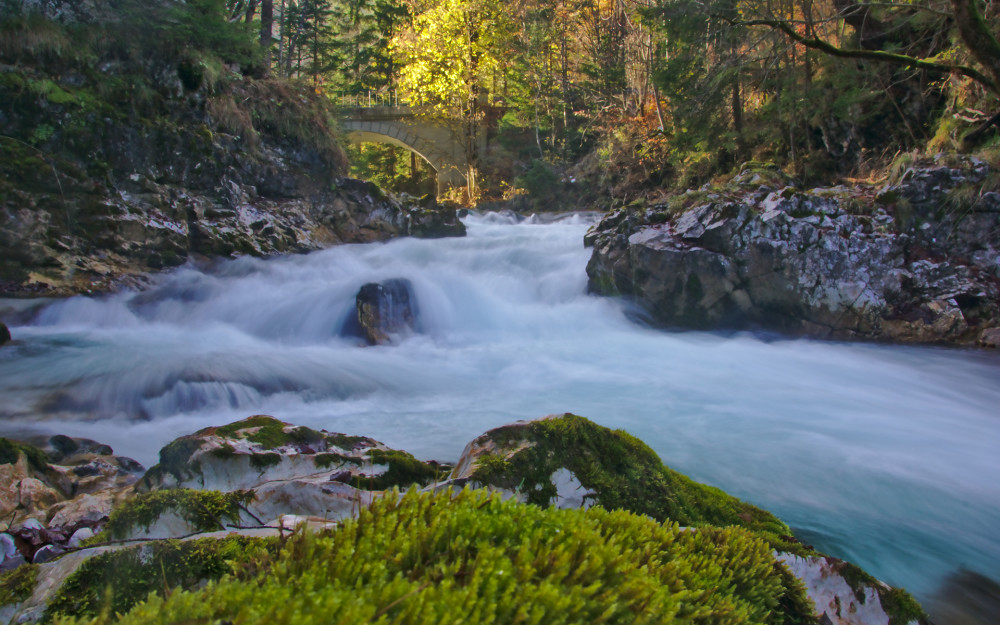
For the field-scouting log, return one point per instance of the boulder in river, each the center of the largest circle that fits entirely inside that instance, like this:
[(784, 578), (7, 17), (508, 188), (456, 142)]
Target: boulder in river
[(262, 470), (430, 220), (385, 309), (4, 333)]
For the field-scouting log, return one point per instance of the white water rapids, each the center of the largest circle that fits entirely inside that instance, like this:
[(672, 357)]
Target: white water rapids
[(885, 456)]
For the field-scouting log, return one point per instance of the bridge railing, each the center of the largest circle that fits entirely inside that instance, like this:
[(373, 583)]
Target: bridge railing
[(369, 99)]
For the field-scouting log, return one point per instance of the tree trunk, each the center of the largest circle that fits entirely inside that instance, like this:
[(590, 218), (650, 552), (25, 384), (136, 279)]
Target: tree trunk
[(266, 28), (977, 37), (871, 32)]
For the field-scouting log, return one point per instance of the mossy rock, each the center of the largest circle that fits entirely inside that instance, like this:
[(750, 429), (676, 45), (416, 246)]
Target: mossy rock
[(404, 470), (268, 432), (10, 452), (17, 585), (622, 472), (472, 558), (118, 580), (204, 510)]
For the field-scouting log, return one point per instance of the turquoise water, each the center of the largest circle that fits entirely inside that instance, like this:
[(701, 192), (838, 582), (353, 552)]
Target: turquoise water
[(886, 456)]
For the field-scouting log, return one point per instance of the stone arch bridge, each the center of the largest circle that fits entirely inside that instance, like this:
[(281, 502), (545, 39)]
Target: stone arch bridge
[(437, 142)]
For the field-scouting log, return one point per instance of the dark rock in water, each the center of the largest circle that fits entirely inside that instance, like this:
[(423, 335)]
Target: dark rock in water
[(386, 308), (966, 598), (61, 447), (4, 333), (433, 221)]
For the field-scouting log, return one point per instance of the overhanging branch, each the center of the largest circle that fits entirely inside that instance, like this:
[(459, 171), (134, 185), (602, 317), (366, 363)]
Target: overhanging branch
[(873, 55)]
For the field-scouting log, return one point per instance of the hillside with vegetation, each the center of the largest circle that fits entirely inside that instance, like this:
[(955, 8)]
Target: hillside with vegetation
[(599, 99), (137, 136)]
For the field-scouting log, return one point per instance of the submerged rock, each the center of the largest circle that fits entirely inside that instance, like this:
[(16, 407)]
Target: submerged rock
[(385, 309), (967, 598), (905, 263), (432, 221)]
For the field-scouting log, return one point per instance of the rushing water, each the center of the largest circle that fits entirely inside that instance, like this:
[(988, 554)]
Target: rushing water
[(886, 456)]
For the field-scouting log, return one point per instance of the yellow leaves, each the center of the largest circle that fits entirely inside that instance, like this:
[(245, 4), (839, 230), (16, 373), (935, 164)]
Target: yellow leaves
[(453, 50)]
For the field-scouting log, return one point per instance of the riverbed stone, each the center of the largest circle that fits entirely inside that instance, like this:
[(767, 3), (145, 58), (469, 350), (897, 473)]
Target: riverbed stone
[(386, 309), (84, 508), (990, 338), (80, 486)]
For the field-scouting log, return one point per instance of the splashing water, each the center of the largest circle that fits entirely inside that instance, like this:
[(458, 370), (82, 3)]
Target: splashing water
[(882, 455)]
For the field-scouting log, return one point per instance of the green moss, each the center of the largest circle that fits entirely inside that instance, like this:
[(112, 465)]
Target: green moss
[(404, 470), (205, 510), (326, 460), (118, 580), (257, 421), (344, 441), (263, 461), (624, 473), (270, 433), (472, 558), (901, 607), (17, 585), (224, 451), (51, 91), (304, 435), (10, 451), (175, 457)]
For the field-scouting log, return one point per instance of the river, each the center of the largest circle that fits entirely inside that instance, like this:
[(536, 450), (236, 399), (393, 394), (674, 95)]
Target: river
[(883, 455)]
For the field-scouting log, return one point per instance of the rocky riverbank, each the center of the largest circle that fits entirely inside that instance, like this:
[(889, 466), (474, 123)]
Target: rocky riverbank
[(234, 494), (118, 160), (916, 259)]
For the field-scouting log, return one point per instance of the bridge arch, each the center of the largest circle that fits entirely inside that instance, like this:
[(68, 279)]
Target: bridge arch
[(400, 126)]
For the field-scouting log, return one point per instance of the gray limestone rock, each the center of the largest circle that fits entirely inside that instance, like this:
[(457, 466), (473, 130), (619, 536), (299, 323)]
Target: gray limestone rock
[(897, 264)]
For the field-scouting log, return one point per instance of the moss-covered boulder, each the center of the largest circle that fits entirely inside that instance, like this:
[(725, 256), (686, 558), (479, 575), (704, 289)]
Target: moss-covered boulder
[(291, 470), (569, 461), (470, 557), (607, 467)]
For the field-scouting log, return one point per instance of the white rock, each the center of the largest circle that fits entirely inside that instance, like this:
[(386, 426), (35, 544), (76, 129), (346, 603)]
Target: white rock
[(832, 595), (570, 493), (32, 524), (7, 546), (79, 536)]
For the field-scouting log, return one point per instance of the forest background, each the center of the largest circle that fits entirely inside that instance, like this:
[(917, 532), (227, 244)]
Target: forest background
[(626, 97)]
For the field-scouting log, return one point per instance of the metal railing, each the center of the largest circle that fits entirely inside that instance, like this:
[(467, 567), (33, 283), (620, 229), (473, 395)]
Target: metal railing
[(369, 99)]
